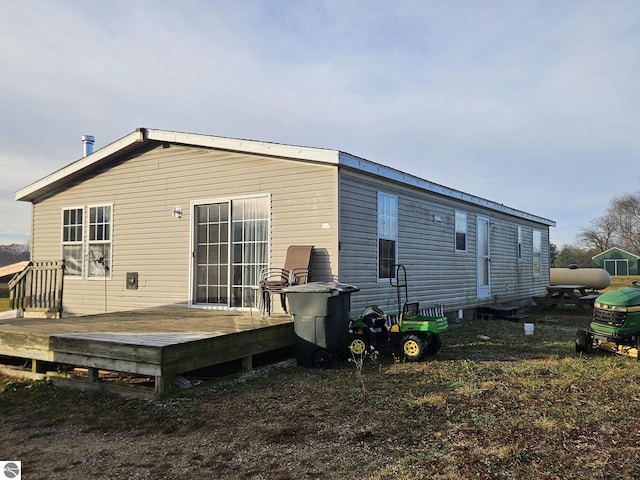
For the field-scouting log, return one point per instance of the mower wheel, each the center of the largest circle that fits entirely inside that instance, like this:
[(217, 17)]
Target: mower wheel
[(322, 358), (434, 342), (583, 341), (358, 345), (413, 348)]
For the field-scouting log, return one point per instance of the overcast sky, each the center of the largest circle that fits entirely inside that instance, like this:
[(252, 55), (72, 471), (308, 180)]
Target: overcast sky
[(533, 104)]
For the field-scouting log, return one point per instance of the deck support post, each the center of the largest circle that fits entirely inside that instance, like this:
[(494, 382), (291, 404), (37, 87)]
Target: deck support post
[(164, 385), (38, 366), (247, 363), (93, 375)]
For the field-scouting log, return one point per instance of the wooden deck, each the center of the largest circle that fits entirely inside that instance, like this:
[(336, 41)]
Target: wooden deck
[(159, 343)]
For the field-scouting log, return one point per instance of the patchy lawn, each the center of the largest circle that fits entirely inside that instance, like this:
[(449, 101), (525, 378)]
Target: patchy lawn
[(504, 405)]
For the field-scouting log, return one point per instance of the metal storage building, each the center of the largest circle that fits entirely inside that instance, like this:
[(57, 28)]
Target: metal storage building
[(617, 262)]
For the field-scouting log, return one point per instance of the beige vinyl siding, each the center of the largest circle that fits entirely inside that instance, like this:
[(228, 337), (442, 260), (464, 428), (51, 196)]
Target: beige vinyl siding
[(147, 239), (436, 273)]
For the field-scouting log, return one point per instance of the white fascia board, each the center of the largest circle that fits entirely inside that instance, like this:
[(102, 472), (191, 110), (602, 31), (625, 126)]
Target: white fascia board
[(32, 191), (246, 146), (389, 173)]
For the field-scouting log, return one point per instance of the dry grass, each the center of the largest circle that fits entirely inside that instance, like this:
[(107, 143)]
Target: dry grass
[(621, 282), (4, 298), (510, 406)]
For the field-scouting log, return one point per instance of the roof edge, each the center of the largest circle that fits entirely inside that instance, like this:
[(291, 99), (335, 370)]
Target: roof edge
[(31, 192), (616, 248), (246, 146), (373, 168)]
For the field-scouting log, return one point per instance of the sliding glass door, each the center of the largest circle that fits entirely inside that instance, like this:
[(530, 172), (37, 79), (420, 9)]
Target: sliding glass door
[(231, 241)]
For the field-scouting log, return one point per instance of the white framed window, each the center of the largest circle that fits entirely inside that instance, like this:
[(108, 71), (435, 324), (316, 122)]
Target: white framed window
[(461, 231), (99, 241), (387, 235), (519, 246), (73, 241), (537, 252)]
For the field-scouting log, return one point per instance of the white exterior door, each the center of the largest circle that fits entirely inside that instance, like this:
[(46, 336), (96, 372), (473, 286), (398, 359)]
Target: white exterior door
[(483, 258)]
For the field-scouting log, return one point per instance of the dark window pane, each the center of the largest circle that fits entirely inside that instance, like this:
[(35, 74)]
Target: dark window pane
[(224, 213), (212, 293), (237, 253), (224, 295), (201, 295), (224, 233), (214, 213), (237, 275), (202, 213), (213, 254), (202, 275), (214, 233), (202, 233), (386, 258), (237, 297), (202, 254), (213, 276), (237, 231)]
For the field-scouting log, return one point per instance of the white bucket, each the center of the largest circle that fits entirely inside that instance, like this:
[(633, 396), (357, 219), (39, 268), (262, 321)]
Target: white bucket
[(528, 328)]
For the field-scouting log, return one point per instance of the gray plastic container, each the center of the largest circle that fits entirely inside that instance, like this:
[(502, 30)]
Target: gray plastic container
[(320, 313)]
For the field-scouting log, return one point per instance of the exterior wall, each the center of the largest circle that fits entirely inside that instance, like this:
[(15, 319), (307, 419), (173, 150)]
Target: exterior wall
[(147, 239), (436, 273)]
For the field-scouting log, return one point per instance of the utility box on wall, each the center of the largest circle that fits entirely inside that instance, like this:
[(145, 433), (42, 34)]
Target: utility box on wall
[(132, 280)]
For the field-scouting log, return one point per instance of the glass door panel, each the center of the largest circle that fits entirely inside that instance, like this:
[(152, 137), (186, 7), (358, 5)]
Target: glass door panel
[(250, 245), (211, 254)]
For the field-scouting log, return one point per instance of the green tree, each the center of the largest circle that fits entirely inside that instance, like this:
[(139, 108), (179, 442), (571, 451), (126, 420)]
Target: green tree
[(573, 255), (553, 253)]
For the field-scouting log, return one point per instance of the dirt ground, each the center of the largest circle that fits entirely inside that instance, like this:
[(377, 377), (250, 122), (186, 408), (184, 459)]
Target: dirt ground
[(492, 404), (261, 426)]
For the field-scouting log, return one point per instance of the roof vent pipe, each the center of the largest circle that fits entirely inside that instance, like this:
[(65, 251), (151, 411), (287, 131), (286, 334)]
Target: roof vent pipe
[(87, 144)]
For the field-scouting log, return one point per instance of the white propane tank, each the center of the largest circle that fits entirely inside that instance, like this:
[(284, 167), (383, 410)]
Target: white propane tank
[(593, 278)]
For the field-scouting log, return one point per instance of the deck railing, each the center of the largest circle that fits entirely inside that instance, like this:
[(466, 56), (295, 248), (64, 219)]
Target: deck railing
[(38, 288)]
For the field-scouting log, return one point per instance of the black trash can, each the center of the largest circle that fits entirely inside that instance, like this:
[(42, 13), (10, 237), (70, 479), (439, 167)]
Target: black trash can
[(320, 313)]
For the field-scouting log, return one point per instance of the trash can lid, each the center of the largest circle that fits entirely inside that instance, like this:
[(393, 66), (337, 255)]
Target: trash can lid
[(321, 287)]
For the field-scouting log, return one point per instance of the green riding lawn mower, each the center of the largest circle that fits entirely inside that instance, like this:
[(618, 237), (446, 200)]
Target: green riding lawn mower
[(615, 326), (413, 331)]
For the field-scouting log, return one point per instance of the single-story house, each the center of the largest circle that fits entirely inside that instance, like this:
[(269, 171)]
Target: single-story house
[(163, 218), (617, 262)]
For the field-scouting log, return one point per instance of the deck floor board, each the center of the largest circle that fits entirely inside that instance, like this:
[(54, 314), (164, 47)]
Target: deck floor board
[(161, 342)]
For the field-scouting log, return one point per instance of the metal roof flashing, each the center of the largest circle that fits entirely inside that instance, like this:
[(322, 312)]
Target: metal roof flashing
[(246, 146), (389, 173)]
